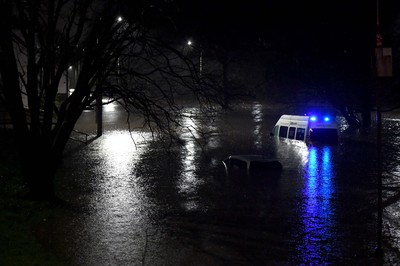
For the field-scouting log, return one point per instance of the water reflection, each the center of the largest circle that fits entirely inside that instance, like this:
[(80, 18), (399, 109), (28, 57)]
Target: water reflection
[(120, 150), (188, 181), (119, 198), (317, 212), (293, 152), (149, 203), (257, 113), (391, 181), (110, 106)]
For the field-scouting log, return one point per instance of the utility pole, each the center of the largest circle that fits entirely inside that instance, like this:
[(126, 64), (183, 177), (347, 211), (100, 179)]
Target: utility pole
[(383, 69), (201, 61), (99, 110), (378, 44)]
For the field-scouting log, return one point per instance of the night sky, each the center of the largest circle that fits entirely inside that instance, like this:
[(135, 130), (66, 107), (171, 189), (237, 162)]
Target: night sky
[(338, 25), (329, 41)]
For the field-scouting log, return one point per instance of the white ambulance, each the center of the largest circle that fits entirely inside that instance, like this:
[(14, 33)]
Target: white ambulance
[(307, 128)]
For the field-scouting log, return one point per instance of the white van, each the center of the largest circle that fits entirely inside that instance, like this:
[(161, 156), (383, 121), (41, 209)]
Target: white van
[(307, 128)]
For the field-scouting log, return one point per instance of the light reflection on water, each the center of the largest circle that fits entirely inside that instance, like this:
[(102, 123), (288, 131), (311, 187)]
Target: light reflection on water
[(257, 113), (391, 172), (293, 152), (110, 107), (247, 218), (317, 213), (119, 198), (189, 181)]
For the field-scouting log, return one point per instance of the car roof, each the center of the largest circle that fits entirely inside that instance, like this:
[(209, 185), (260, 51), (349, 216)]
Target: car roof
[(251, 157)]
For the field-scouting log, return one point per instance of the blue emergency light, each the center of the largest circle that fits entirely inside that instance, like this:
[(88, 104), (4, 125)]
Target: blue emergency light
[(314, 118)]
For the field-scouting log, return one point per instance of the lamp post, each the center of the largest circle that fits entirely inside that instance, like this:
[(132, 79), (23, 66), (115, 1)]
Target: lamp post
[(201, 61), (119, 20), (190, 44)]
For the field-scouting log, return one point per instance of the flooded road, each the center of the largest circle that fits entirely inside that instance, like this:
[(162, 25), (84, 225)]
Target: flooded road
[(149, 204)]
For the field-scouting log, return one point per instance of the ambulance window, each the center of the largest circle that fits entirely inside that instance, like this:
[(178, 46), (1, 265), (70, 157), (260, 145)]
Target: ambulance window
[(291, 132), (283, 132), (300, 133)]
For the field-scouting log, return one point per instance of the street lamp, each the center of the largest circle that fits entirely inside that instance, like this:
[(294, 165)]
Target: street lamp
[(190, 43), (119, 20)]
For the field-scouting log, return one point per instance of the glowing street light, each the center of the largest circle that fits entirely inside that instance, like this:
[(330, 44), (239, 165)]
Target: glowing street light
[(190, 43)]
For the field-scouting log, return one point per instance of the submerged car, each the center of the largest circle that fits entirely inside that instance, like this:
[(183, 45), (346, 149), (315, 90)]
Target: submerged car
[(251, 165)]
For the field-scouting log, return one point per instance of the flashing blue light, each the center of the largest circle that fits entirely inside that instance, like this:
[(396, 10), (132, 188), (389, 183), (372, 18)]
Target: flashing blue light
[(327, 119), (313, 118)]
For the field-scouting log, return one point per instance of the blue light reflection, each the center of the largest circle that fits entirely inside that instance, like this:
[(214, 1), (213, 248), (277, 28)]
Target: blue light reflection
[(317, 235)]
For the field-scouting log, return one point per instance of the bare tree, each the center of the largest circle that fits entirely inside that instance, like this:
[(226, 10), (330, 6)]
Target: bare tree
[(125, 59)]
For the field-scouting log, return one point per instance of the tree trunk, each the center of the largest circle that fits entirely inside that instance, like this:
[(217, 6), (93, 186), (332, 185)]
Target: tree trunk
[(40, 185), (39, 165)]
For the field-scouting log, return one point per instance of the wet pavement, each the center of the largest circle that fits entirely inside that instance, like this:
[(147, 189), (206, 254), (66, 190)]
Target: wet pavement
[(147, 203)]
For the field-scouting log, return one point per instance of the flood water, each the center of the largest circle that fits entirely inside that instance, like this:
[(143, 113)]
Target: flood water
[(148, 204)]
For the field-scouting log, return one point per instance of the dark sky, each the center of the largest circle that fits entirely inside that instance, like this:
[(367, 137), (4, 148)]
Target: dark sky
[(317, 36), (303, 23)]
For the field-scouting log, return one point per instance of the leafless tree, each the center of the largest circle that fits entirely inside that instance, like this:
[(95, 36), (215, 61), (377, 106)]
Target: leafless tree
[(126, 59)]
